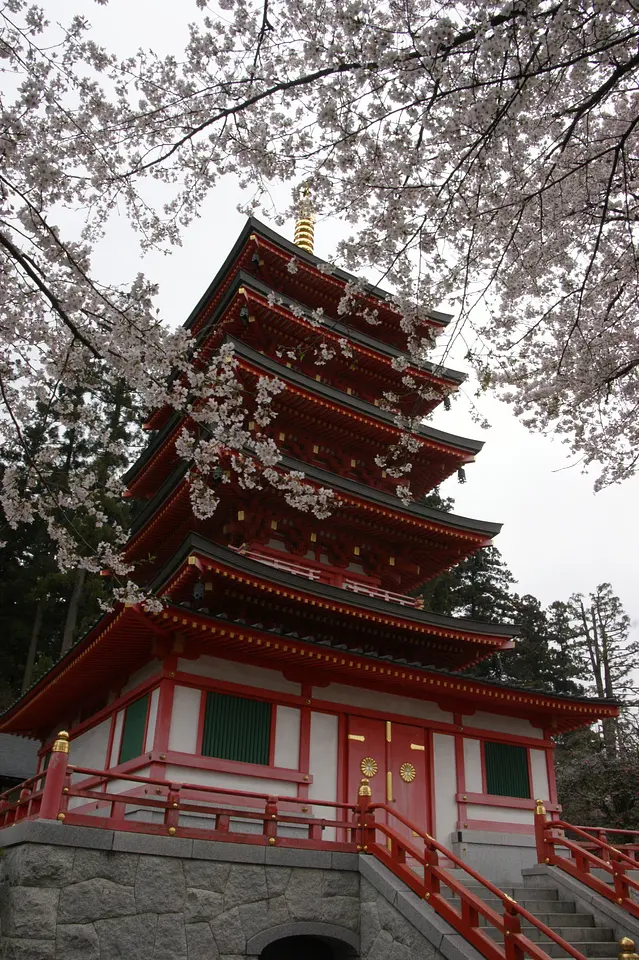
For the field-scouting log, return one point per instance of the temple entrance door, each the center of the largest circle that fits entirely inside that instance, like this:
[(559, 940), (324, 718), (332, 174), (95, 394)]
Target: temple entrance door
[(394, 758)]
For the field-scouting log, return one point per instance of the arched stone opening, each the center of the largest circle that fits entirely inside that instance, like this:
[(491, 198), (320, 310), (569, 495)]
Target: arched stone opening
[(304, 941)]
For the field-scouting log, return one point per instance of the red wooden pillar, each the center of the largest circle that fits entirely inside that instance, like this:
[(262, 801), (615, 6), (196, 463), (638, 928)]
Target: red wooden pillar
[(544, 848), (55, 779), (366, 816)]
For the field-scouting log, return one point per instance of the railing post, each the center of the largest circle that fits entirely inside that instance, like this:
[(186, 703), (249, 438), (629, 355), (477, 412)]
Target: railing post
[(512, 926), (603, 838), (627, 949), (172, 812), (23, 810), (54, 782), (270, 820), (622, 891), (544, 850), (431, 858), (366, 817)]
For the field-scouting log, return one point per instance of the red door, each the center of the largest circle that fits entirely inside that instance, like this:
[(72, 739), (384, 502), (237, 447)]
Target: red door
[(393, 758)]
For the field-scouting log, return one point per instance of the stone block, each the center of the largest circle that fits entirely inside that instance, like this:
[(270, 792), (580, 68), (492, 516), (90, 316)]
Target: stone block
[(16, 949), (341, 884), (381, 946), (170, 938), (290, 857), (128, 938), (58, 834), (228, 933), (304, 893), (29, 913), (400, 951), (208, 876), (343, 911), (77, 941), (369, 926), (277, 879), (153, 845), (229, 852), (202, 905), (119, 867), (200, 943), (159, 885), (96, 899), (263, 915), (345, 861), (245, 884), (35, 865)]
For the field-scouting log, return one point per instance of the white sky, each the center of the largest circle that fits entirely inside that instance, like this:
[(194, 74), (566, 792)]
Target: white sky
[(558, 537)]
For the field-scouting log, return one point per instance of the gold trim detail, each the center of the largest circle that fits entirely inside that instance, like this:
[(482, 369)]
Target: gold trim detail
[(356, 736), (389, 733), (368, 766), (364, 789), (407, 772), (61, 745), (417, 746), (389, 786)]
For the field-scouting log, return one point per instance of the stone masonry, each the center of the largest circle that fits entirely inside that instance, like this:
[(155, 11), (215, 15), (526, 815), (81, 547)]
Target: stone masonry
[(66, 893)]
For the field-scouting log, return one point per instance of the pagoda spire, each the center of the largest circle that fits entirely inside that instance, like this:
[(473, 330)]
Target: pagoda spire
[(305, 225)]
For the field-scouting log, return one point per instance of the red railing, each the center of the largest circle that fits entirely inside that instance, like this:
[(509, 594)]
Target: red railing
[(346, 583), (578, 857), (465, 918)]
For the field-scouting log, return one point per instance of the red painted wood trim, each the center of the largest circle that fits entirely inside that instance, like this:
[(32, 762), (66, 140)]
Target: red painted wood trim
[(552, 779), (484, 777), (112, 708), (432, 809), (460, 771), (271, 735), (497, 826), (200, 723), (530, 772), (342, 760), (109, 751), (176, 758), (304, 756), (491, 800), (329, 706), (165, 710)]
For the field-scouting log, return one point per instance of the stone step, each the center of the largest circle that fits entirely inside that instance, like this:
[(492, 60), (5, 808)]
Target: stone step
[(573, 935), (567, 921), (593, 949), (517, 893)]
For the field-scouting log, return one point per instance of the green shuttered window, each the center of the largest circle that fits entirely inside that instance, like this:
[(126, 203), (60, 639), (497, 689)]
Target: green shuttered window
[(236, 728), (506, 770), (133, 730)]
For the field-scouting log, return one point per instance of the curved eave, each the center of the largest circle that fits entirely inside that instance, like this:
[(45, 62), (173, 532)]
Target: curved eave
[(245, 280), (253, 226), (358, 493), (451, 443), (333, 598)]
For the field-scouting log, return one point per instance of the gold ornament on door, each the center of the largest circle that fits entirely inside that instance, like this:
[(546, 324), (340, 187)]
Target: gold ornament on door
[(368, 766), (407, 772)]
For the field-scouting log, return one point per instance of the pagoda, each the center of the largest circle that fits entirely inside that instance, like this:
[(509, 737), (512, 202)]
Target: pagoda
[(290, 655)]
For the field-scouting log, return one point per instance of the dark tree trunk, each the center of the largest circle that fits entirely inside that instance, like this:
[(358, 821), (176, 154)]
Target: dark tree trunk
[(27, 678), (72, 610)]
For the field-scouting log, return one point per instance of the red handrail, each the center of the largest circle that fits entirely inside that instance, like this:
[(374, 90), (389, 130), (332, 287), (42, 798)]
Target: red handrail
[(611, 860), (393, 854)]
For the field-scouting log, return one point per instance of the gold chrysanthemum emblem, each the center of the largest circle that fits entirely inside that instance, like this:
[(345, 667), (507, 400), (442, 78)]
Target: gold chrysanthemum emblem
[(368, 766), (407, 772)]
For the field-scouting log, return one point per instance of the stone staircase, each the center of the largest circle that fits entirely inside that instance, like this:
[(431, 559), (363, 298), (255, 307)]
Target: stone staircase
[(560, 914)]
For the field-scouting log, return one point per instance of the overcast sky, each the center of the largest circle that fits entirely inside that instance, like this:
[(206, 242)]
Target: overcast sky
[(558, 536)]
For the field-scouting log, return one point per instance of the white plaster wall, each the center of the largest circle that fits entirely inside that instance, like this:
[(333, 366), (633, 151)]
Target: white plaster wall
[(504, 724), (472, 765), (117, 738), (406, 706), (501, 814), (123, 786), (184, 719), (323, 766), (445, 787), (89, 749), (287, 737), (219, 669), (149, 669), (231, 781), (539, 774), (152, 719)]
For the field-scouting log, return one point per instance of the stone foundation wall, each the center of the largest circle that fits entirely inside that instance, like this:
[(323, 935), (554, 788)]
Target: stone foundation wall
[(170, 899)]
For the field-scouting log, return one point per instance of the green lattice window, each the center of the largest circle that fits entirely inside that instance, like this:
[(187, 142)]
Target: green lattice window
[(506, 770), (236, 728), (133, 729)]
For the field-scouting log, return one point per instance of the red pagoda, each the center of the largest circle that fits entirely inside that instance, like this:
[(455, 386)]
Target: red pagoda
[(290, 656)]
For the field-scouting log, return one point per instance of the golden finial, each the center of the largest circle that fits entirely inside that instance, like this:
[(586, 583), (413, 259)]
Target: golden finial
[(627, 949), (61, 745), (364, 788), (305, 226), (540, 808)]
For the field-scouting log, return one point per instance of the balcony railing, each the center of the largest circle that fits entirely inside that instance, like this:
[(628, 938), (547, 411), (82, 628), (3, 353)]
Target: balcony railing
[(336, 580)]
